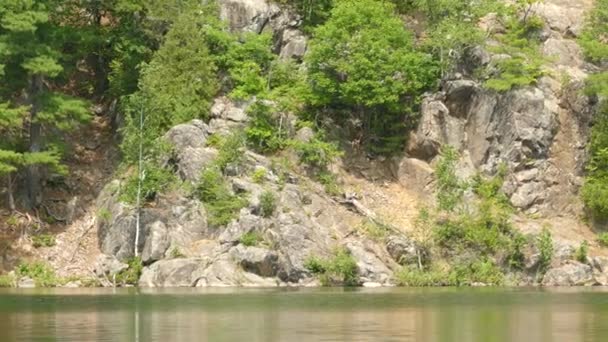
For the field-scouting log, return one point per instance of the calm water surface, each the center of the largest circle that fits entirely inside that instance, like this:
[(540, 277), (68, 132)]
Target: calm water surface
[(421, 315)]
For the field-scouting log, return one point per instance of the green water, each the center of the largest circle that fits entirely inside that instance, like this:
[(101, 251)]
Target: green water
[(568, 315)]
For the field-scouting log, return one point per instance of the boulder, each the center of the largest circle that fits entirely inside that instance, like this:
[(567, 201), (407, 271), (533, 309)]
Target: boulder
[(171, 273), (247, 15), (570, 274), (293, 45), (416, 174), (108, 266), (260, 261), (26, 283), (402, 249), (157, 243), (370, 268)]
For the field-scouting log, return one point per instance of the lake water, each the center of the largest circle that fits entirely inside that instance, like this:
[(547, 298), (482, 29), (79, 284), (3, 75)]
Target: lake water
[(393, 314)]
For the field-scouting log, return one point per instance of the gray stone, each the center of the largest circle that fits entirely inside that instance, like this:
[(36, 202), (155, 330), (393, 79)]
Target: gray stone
[(293, 45), (305, 134), (171, 273), (108, 265), (26, 283), (369, 266), (157, 243), (570, 274), (402, 249), (260, 261)]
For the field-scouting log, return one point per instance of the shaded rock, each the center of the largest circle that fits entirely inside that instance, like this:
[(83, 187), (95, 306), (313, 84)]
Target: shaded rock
[(304, 134), (157, 243), (260, 261), (192, 134), (571, 274), (402, 250), (188, 142), (247, 15)]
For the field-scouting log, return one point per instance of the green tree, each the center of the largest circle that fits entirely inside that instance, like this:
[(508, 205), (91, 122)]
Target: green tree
[(32, 55), (363, 59)]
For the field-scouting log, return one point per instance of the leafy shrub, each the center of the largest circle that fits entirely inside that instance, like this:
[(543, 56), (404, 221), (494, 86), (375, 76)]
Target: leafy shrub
[(330, 183), (341, 268), (515, 254), (524, 64), (268, 203), (449, 187), (595, 189), (266, 131), (250, 239), (414, 277), (230, 150), (104, 215), (130, 276), (602, 239), (593, 38), (317, 153), (580, 254), (259, 175), (42, 274), (482, 271), (155, 180), (6, 281), (545, 247), (43, 240), (222, 206)]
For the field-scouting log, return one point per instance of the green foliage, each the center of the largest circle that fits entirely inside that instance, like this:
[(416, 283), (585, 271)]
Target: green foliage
[(449, 187), (250, 239), (580, 254), (595, 189), (230, 150), (6, 281), (312, 12), (130, 275), (259, 175), (593, 39), (483, 271), (104, 215), (155, 180), (515, 251), (363, 60), (266, 131), (545, 247), (222, 206), (317, 153), (268, 203), (329, 181), (523, 61), (414, 277), (175, 253), (341, 268), (42, 274), (374, 230), (602, 239), (43, 240)]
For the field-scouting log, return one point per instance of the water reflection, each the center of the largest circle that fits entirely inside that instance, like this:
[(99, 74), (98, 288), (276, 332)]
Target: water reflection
[(308, 315)]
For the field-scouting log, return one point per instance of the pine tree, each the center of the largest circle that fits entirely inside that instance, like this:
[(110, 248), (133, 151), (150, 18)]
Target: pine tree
[(31, 56)]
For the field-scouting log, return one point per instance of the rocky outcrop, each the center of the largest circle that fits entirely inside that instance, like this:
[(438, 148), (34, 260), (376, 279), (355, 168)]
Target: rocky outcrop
[(570, 274)]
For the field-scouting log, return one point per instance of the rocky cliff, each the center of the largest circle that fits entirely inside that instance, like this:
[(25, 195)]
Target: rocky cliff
[(538, 133)]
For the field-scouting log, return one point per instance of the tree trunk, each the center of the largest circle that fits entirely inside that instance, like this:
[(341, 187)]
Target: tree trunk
[(34, 191), (11, 199)]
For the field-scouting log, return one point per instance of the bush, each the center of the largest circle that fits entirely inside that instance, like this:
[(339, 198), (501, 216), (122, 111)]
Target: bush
[(415, 277), (317, 153), (250, 239), (7, 281), (266, 131), (43, 240), (222, 206), (449, 187), (259, 175), (602, 239), (42, 274), (595, 189), (545, 247), (155, 180), (482, 271), (130, 276), (230, 150), (341, 268), (580, 254), (593, 38), (267, 203)]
